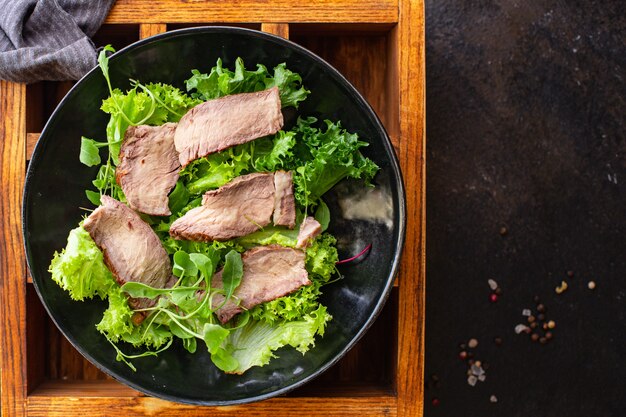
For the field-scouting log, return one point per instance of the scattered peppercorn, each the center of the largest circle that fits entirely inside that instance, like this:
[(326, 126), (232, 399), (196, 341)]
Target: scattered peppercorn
[(478, 364), (548, 335), (531, 319), (435, 401), (462, 346), (545, 326), (527, 330), (536, 299), (434, 377), (543, 340), (591, 285), (472, 343), (541, 317), (541, 308), (493, 297), (463, 355), (497, 291), (551, 324), (570, 273), (534, 337), (497, 341), (533, 325), (503, 231)]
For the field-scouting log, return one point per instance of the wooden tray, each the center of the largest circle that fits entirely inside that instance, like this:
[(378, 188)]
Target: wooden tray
[(379, 46)]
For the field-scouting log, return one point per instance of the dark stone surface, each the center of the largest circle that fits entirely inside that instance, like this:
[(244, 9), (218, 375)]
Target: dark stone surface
[(526, 130)]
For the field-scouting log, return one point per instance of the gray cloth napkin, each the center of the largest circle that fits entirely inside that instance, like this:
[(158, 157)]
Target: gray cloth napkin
[(49, 39)]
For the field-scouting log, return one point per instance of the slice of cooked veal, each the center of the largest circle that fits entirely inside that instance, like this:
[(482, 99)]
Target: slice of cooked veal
[(224, 122), (148, 167), (269, 272), (131, 249), (236, 209)]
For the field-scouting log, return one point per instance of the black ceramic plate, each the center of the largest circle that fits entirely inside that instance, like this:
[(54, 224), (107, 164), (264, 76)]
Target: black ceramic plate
[(55, 186)]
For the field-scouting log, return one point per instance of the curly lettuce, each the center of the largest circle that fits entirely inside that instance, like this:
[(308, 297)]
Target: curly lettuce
[(79, 268)]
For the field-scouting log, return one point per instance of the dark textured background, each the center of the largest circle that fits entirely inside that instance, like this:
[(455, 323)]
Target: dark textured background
[(526, 129)]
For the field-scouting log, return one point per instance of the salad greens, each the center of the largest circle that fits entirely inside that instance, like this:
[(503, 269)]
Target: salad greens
[(319, 155)]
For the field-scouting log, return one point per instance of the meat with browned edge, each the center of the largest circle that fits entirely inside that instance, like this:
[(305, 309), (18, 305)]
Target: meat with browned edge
[(132, 251), (148, 167), (284, 203), (218, 124), (269, 272), (236, 209)]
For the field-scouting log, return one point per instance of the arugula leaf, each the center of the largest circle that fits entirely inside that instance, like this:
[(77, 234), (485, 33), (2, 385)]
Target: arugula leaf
[(190, 344), (141, 290), (89, 153), (183, 266), (178, 198), (94, 197), (232, 273), (322, 215)]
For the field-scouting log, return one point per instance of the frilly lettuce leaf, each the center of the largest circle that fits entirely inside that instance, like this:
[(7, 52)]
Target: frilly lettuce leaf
[(254, 344), (79, 268), (220, 81), (328, 156)]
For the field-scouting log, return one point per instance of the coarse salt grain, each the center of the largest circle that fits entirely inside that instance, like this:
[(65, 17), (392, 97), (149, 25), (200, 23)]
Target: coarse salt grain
[(477, 370), (492, 284), (526, 312), (482, 377), (472, 380), (520, 328), (493, 399)]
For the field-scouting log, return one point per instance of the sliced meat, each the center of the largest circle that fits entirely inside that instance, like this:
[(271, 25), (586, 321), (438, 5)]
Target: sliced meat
[(148, 167), (218, 124), (269, 272), (236, 209), (284, 203), (132, 251), (309, 230)]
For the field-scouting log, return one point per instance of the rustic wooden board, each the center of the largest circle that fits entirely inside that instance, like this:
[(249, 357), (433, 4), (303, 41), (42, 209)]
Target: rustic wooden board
[(275, 11), (379, 46)]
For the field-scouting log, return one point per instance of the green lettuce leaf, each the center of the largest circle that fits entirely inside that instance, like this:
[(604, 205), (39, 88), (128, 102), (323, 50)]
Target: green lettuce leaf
[(79, 268), (220, 81), (254, 344), (216, 169), (334, 156)]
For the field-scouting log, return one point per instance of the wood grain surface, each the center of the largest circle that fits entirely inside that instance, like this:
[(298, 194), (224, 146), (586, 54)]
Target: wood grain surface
[(211, 11), (150, 29), (12, 265), (280, 29), (410, 67), (378, 46)]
